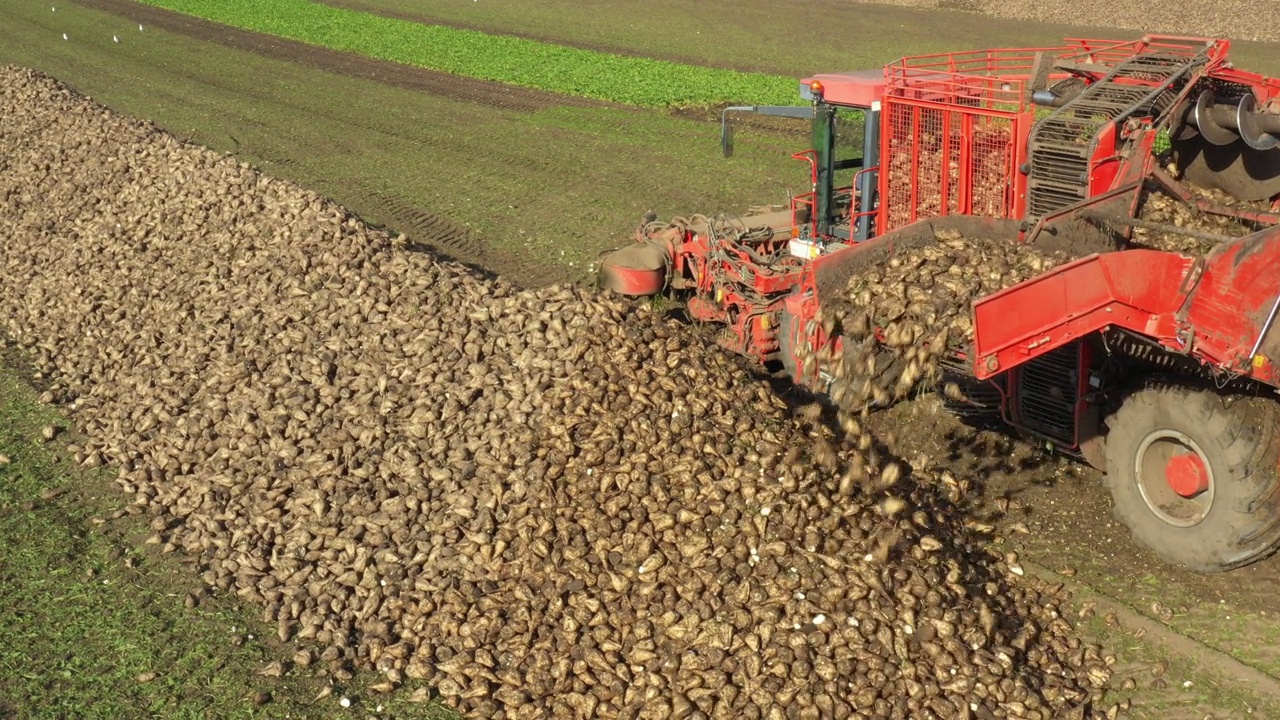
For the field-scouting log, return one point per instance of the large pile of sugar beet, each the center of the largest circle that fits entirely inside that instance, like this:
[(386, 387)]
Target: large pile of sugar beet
[(542, 503)]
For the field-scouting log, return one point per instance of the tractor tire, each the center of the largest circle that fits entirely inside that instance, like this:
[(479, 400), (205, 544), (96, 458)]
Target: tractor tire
[(1226, 512)]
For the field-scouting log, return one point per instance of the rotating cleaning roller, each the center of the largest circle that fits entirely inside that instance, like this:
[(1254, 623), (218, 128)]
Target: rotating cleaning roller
[(1222, 123)]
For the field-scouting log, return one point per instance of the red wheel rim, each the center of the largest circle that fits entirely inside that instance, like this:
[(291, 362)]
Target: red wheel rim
[(1174, 477)]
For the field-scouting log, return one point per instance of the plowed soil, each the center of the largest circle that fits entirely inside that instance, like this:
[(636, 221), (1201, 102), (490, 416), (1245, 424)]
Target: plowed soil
[(1239, 19)]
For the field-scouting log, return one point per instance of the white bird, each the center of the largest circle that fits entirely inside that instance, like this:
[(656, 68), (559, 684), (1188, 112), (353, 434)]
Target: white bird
[(117, 39), (64, 36), (139, 27), (53, 9)]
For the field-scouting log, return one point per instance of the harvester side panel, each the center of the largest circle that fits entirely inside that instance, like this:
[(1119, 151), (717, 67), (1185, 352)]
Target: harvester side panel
[(1230, 306), (1139, 290)]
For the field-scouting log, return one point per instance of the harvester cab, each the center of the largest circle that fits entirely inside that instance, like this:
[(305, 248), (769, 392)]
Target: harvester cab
[(843, 157)]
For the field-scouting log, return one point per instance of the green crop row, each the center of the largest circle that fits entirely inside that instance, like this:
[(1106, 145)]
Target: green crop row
[(528, 63)]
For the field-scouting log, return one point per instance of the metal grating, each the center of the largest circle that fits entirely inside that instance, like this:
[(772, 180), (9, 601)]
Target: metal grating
[(945, 162), (1062, 144), (1047, 394)]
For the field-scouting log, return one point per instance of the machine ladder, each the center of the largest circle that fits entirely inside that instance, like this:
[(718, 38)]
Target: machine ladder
[(1062, 145)]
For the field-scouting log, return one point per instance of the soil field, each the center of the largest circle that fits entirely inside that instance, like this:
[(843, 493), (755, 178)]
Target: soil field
[(465, 175), (531, 187), (1238, 19), (788, 37)]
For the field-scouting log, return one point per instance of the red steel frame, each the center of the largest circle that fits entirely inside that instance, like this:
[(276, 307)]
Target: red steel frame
[(807, 199), (965, 107), (1214, 309), (960, 96), (1129, 289)]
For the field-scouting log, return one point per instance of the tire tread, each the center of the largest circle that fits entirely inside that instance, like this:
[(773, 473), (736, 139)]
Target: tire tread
[(1245, 430)]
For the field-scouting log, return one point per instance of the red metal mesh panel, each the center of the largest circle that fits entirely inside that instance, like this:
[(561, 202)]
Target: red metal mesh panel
[(898, 156), (991, 166), (929, 163), (945, 162), (954, 124)]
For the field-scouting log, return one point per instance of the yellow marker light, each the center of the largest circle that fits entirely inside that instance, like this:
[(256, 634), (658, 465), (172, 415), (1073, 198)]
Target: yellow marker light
[(1260, 361)]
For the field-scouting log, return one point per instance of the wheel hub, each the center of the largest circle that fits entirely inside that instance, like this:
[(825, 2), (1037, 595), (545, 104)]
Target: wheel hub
[(1174, 477), (1187, 475)]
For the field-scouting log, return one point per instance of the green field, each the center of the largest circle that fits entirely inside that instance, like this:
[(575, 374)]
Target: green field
[(545, 66), (530, 187), (789, 38)]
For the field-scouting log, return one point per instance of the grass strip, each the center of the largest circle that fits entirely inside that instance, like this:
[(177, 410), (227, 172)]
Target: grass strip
[(635, 81)]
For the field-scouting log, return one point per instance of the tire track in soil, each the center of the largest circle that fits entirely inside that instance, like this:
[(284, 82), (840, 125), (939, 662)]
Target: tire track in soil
[(444, 238)]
